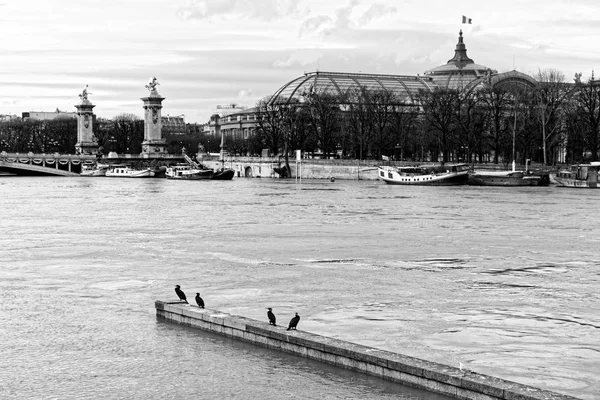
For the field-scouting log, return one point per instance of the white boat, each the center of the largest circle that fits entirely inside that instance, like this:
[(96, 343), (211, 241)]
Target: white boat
[(94, 170), (188, 172), (578, 176), (127, 172), (426, 175)]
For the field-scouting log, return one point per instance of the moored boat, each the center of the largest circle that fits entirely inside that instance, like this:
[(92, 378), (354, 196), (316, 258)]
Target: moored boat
[(578, 176), (127, 172), (508, 178), (225, 174), (94, 170), (425, 175), (188, 172)]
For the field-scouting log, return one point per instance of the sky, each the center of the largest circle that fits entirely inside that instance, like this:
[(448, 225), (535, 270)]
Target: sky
[(206, 53)]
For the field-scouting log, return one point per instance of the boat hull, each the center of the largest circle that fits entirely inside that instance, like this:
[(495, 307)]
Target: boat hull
[(394, 176), (192, 175), (223, 175), (186, 172), (507, 178), (575, 183), (93, 173), (130, 174)]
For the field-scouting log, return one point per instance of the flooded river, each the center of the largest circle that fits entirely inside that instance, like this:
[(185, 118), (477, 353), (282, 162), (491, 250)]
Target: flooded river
[(504, 280)]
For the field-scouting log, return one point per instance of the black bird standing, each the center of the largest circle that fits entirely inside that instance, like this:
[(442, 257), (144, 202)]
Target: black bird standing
[(199, 300), (271, 316), (180, 294), (294, 322)]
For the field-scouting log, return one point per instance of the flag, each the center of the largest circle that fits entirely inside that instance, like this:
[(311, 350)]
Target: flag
[(466, 20)]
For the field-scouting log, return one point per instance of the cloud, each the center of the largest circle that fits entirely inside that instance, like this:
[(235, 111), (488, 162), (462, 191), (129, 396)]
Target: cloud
[(376, 11), (321, 25), (245, 93), (299, 58), (263, 10), (345, 19)]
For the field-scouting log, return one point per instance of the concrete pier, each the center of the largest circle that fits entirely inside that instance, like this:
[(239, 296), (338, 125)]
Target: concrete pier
[(406, 370)]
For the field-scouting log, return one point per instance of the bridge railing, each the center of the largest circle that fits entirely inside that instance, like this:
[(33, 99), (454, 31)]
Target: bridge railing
[(38, 158)]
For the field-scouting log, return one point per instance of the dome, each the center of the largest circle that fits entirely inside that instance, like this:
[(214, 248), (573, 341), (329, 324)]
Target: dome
[(460, 70), (339, 84)]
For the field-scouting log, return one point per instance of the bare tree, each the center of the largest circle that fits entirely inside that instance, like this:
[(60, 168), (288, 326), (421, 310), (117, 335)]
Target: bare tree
[(439, 112), (499, 102), (551, 94), (127, 133), (471, 121), (384, 104), (324, 120), (586, 101), (403, 123), (360, 120), (269, 125)]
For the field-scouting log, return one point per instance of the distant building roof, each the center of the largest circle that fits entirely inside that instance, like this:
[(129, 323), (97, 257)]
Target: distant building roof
[(340, 83), (460, 70)]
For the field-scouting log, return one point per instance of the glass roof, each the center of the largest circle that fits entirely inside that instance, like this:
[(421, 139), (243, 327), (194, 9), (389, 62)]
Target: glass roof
[(339, 84)]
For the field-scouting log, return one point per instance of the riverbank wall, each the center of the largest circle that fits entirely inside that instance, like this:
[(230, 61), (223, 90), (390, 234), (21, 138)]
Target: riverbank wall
[(269, 167), (410, 371), (344, 169)]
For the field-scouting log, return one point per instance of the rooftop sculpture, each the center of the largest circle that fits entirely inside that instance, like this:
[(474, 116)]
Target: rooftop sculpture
[(84, 94), (151, 86)]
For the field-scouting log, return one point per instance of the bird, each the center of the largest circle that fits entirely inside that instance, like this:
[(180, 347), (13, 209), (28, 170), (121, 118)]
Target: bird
[(180, 294), (271, 316), (199, 300), (294, 322)]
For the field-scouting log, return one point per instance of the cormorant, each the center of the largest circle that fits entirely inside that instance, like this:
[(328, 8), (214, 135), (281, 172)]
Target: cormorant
[(271, 316), (180, 294), (199, 300), (294, 322)]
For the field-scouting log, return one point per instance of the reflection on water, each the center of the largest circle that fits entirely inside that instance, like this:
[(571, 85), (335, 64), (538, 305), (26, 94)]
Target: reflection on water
[(503, 280)]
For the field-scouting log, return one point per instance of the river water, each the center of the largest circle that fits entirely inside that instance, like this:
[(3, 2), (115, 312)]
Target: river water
[(504, 280)]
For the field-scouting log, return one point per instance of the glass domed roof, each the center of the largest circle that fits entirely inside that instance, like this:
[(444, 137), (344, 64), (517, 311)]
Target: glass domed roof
[(340, 84)]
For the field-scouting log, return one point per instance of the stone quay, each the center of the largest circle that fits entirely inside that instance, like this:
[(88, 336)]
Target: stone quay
[(409, 371)]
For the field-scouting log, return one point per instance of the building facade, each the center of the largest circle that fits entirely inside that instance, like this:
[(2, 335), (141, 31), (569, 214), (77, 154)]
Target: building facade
[(231, 122), (47, 116)]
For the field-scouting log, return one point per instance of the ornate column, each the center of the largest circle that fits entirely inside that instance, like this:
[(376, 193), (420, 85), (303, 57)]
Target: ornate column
[(86, 142), (153, 143)]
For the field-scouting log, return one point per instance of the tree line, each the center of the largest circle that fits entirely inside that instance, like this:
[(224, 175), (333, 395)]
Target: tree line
[(550, 122), (123, 134)]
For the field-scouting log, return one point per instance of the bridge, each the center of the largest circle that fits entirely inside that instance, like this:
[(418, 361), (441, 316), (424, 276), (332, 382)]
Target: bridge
[(56, 164), (44, 164)]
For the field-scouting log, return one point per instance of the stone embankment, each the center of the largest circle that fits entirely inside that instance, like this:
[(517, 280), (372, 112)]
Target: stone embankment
[(406, 370), (257, 167)]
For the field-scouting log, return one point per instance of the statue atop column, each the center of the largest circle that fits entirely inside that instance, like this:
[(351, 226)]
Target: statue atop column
[(153, 144), (152, 84), (84, 95), (86, 142)]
